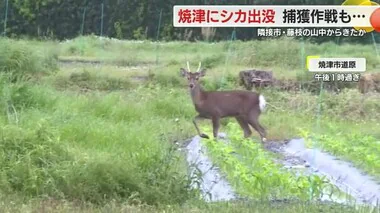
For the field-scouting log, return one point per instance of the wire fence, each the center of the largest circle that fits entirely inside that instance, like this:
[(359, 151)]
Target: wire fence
[(94, 18), (5, 17), (88, 19)]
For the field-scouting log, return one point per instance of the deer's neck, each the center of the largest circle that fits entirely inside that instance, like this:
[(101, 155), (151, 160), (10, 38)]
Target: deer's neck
[(197, 95)]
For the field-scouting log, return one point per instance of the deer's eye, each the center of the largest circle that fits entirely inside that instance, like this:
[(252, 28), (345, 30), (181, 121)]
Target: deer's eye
[(196, 78), (188, 78)]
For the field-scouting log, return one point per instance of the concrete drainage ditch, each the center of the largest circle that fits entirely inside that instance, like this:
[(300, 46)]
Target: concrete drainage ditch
[(214, 187)]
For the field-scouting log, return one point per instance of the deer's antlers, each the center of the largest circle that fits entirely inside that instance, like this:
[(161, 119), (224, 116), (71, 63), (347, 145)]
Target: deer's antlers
[(188, 66), (199, 67)]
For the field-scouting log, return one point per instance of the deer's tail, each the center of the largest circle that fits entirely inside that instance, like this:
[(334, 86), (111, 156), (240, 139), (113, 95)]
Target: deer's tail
[(262, 103)]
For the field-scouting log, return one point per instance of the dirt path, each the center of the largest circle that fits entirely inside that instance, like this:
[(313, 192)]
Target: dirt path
[(97, 63), (137, 73)]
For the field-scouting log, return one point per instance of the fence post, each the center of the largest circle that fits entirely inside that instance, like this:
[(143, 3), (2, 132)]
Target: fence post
[(158, 35), (84, 15), (101, 23), (5, 18), (375, 44)]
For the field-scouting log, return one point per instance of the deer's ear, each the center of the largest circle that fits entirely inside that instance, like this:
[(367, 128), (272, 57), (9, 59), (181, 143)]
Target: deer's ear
[(202, 72), (183, 72)]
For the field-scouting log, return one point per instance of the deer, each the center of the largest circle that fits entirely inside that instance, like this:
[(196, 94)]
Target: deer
[(245, 106)]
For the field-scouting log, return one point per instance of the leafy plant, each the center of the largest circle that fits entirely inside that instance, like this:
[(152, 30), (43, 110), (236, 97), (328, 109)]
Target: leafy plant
[(362, 150), (254, 173)]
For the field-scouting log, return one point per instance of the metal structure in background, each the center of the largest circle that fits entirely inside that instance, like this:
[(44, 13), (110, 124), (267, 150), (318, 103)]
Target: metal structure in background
[(320, 99), (101, 21), (375, 44), (302, 68), (101, 7), (6, 17), (83, 18), (158, 37), (233, 38), (317, 127)]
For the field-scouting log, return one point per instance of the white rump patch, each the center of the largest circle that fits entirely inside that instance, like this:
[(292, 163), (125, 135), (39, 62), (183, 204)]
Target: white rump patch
[(262, 103)]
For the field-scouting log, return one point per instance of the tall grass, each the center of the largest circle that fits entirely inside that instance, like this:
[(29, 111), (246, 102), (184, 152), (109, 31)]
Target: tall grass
[(19, 59), (88, 147), (94, 148)]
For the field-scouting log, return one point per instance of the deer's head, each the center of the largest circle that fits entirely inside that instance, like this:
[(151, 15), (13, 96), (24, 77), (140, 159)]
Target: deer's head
[(193, 78)]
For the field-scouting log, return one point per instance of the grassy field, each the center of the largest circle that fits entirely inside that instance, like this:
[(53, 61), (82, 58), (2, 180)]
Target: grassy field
[(98, 132)]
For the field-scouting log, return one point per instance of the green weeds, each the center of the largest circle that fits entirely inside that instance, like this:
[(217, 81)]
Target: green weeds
[(18, 59), (92, 148)]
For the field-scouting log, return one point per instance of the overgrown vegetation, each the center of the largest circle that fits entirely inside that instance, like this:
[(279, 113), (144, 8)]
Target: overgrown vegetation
[(81, 147), (78, 147), (20, 60), (113, 146)]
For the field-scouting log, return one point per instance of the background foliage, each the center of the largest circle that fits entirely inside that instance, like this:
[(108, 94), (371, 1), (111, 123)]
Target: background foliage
[(134, 19)]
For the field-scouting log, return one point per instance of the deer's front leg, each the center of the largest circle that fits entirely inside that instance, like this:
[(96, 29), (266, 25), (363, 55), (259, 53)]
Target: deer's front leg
[(202, 135)]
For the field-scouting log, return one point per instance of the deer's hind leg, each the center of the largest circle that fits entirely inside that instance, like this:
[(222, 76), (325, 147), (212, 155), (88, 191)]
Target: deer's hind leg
[(253, 121), (244, 125), (215, 126)]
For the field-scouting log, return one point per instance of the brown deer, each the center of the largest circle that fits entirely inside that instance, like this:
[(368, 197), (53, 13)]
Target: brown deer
[(245, 106)]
